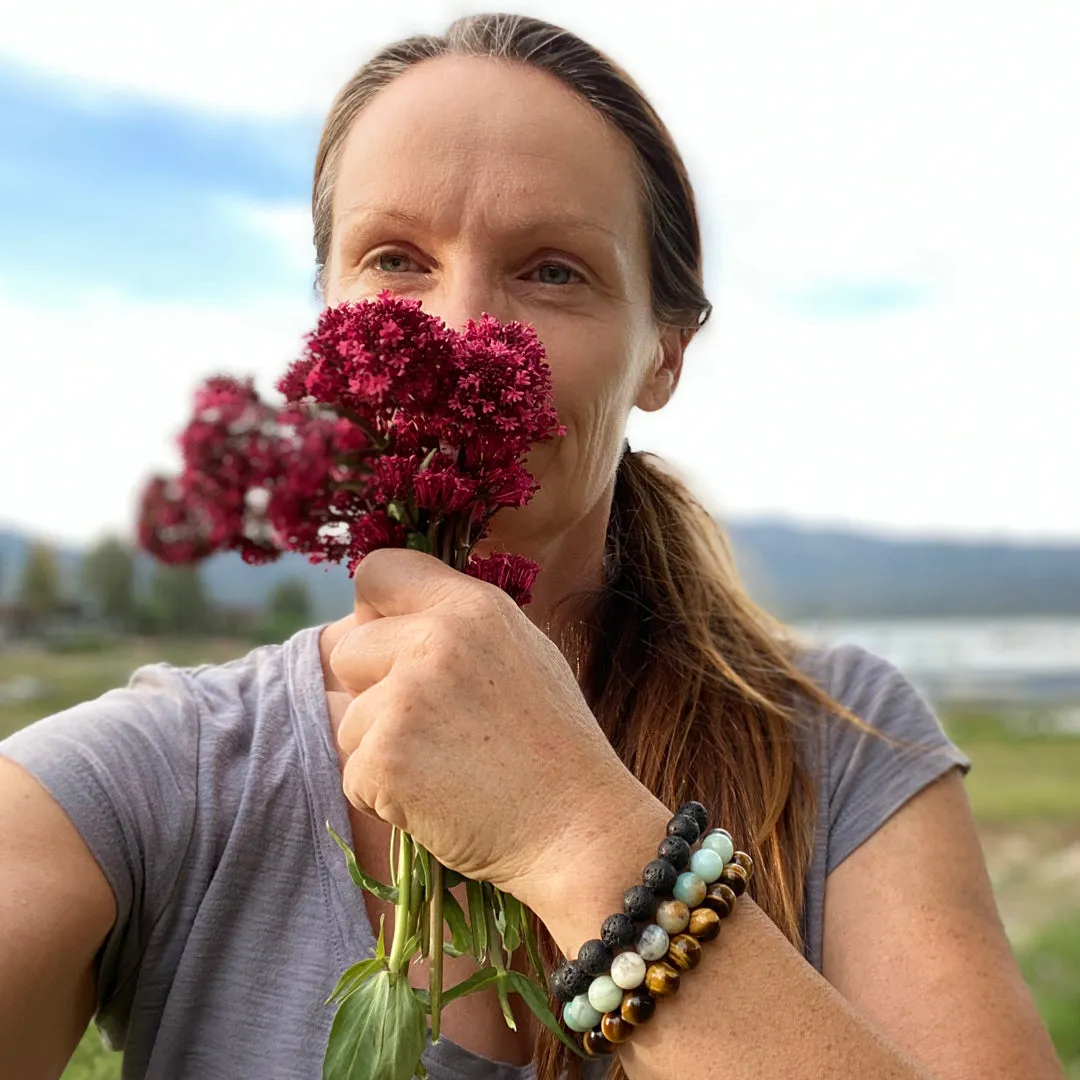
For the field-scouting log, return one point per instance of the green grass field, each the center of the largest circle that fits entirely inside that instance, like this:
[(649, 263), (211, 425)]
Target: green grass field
[(1025, 791)]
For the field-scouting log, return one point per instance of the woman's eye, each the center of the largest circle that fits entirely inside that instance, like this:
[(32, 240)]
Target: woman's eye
[(393, 262), (551, 273)]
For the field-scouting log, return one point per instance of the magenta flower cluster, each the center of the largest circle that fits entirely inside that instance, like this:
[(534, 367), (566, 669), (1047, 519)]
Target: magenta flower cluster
[(396, 431)]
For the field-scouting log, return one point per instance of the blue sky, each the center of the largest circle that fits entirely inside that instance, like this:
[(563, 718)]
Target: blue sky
[(140, 196), (888, 198)]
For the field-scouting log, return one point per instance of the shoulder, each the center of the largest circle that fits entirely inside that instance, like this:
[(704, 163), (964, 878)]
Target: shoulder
[(891, 747)]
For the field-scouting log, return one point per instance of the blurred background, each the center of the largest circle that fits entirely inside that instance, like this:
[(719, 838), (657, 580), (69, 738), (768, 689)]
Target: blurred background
[(882, 411)]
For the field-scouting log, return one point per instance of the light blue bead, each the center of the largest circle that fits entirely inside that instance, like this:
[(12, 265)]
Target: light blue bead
[(719, 841), (652, 943), (689, 888), (707, 864), (569, 1019), (580, 1015), (604, 995)]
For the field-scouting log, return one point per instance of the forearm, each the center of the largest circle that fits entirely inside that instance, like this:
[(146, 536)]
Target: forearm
[(752, 1008)]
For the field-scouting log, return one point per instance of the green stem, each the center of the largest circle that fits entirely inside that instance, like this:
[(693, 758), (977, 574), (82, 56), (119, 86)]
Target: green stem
[(436, 968), (403, 908)]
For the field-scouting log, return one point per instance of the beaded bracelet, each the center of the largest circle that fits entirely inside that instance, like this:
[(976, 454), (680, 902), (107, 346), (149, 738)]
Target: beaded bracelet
[(613, 985)]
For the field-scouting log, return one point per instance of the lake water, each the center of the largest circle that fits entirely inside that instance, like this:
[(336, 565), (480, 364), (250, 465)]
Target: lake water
[(1018, 660)]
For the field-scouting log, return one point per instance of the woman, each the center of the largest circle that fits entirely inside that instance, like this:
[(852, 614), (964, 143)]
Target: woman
[(163, 853)]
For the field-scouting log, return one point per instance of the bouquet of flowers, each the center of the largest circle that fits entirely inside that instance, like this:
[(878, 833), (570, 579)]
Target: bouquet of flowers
[(396, 431)]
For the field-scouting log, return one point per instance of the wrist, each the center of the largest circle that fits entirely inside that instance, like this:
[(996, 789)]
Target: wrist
[(582, 882)]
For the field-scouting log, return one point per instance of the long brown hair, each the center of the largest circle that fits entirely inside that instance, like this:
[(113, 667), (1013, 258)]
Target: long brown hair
[(696, 688)]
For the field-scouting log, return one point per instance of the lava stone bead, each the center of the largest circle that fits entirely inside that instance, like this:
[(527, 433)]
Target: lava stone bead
[(697, 811), (639, 902), (618, 929), (568, 980), (660, 876), (594, 957), (685, 826), (675, 850)]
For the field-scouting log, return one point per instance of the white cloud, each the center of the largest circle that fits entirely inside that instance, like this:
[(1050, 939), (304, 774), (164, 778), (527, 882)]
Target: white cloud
[(103, 389)]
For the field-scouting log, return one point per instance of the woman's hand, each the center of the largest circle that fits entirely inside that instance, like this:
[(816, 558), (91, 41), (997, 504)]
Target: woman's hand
[(468, 728)]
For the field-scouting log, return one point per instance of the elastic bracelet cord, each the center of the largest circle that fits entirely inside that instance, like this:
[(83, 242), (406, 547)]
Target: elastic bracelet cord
[(613, 985)]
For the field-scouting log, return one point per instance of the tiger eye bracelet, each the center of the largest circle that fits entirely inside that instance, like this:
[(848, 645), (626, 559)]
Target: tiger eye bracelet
[(613, 985)]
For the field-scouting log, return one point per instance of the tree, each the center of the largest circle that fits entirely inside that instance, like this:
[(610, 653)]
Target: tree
[(178, 603), (39, 589), (108, 579), (287, 610), (290, 600)]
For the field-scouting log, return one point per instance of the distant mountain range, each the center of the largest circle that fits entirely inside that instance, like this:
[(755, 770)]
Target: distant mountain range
[(795, 572)]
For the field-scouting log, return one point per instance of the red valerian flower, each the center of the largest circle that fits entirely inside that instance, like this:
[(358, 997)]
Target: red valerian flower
[(397, 431), (514, 574)]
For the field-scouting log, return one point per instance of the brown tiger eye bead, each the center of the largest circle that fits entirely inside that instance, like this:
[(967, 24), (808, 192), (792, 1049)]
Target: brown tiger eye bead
[(661, 979), (684, 952), (735, 877), (740, 858), (704, 924), (721, 898), (616, 1029), (637, 1006), (596, 1044)]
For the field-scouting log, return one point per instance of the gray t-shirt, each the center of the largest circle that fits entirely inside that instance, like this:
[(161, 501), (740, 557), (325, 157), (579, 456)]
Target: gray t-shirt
[(203, 794)]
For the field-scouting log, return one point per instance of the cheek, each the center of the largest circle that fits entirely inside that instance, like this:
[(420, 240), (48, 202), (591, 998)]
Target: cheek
[(595, 378)]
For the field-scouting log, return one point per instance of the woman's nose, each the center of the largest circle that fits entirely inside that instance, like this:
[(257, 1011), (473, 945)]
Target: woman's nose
[(467, 292)]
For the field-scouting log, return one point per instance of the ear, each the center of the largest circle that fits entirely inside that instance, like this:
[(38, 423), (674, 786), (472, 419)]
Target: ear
[(663, 375)]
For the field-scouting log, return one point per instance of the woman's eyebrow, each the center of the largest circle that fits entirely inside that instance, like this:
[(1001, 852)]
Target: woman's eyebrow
[(357, 216)]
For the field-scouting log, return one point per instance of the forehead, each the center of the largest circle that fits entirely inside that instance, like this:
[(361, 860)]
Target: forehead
[(462, 140)]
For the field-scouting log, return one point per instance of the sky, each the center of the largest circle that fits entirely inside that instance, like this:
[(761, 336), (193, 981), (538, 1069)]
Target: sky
[(888, 195)]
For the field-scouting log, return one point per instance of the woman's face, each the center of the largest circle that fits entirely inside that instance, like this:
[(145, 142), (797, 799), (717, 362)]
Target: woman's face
[(476, 186)]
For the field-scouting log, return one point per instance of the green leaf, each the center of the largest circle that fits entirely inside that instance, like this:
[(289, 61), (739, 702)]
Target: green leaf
[(478, 980), (536, 999), (424, 997), (532, 949), (459, 928), (508, 919), (364, 881), (422, 867), (378, 1033), (380, 944), (504, 1001), (418, 541), (451, 878), (477, 918), (354, 976), (397, 511)]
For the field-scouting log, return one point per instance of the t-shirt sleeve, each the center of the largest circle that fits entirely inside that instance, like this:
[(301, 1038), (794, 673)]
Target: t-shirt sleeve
[(123, 768), (872, 773)]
